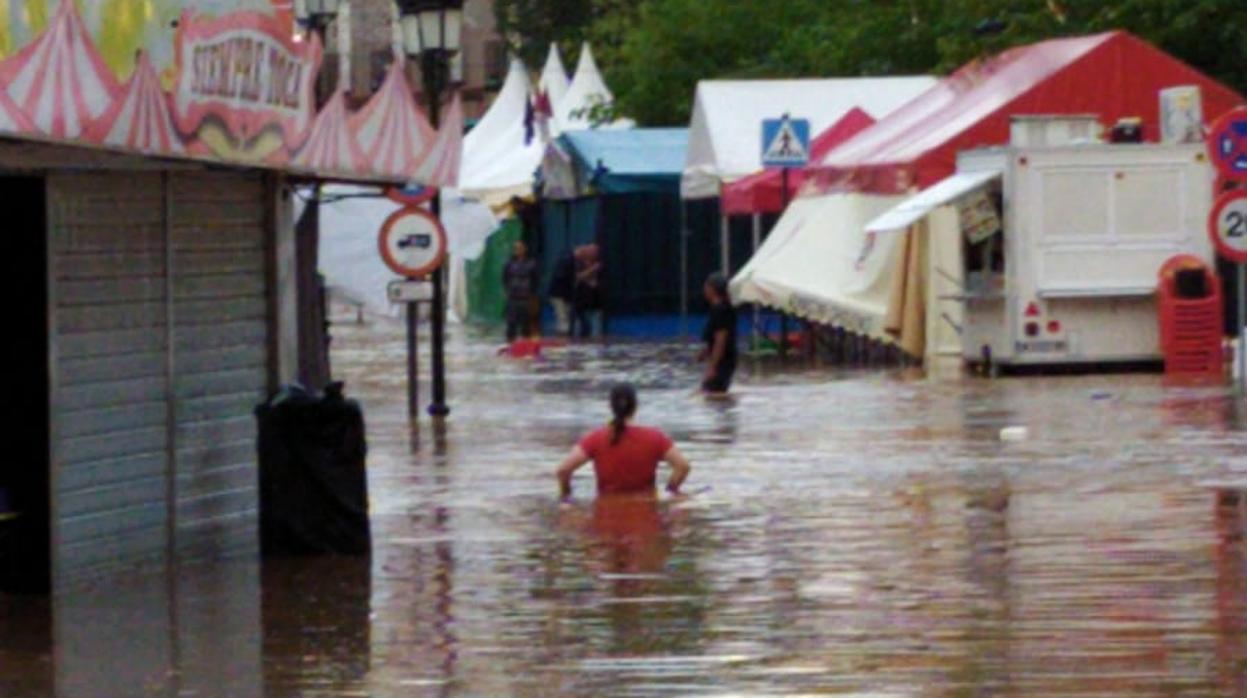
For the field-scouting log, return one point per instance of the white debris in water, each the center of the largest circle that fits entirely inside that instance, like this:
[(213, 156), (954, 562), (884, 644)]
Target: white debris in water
[(1014, 434)]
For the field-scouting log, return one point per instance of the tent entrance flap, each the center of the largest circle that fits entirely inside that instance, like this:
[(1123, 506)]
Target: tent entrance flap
[(945, 192)]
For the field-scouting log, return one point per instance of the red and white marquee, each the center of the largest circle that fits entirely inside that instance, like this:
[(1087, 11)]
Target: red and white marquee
[(140, 119), (393, 132), (242, 74)]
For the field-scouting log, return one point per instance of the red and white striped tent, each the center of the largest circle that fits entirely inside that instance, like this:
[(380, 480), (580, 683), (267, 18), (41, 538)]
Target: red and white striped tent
[(392, 131), (139, 118), (440, 165), (60, 80), (331, 145), (12, 118)]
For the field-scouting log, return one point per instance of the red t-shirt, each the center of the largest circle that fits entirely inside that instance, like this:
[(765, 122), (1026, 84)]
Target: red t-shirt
[(630, 465)]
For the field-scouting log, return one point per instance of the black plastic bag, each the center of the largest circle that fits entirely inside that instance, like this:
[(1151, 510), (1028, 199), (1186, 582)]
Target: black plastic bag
[(313, 476)]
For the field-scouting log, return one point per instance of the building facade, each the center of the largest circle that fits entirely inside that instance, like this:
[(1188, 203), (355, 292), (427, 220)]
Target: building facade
[(366, 35)]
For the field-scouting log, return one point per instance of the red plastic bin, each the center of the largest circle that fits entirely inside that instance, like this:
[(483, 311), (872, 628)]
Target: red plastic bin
[(1190, 328)]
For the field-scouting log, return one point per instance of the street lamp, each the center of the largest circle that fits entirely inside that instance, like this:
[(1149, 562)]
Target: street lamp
[(431, 31), (320, 14)]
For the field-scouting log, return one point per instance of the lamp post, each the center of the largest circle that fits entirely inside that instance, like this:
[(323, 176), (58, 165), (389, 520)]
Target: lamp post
[(313, 315), (431, 31), (321, 14)]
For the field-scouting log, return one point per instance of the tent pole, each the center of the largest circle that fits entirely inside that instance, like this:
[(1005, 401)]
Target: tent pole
[(683, 268), (757, 242), (783, 317)]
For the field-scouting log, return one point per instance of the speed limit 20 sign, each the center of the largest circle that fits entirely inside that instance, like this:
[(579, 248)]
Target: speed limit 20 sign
[(1227, 224)]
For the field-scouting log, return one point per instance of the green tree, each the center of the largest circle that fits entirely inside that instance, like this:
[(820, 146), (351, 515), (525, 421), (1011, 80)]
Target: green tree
[(654, 51)]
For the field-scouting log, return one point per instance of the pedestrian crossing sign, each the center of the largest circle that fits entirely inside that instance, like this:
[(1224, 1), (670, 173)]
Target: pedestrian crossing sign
[(785, 142)]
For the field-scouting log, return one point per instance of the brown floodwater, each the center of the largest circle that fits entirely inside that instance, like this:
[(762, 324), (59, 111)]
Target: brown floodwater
[(848, 533)]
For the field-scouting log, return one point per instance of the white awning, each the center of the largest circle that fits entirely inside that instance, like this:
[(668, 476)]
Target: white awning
[(917, 207)]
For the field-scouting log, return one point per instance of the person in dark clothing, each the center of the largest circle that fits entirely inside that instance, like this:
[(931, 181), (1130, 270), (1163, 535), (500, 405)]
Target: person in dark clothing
[(587, 293), (719, 336), (562, 291), (519, 282)]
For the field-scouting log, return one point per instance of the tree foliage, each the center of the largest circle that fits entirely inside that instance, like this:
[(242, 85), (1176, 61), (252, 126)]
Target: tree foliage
[(654, 51)]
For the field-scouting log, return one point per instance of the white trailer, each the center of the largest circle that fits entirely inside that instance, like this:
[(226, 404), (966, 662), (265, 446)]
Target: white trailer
[(1053, 253), (1084, 231)]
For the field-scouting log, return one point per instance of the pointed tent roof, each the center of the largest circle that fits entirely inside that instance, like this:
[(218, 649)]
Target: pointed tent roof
[(139, 118), (587, 89), (59, 79), (392, 131), (1113, 75), (331, 144), (763, 192), (12, 118), (497, 163), (440, 167), (553, 79)]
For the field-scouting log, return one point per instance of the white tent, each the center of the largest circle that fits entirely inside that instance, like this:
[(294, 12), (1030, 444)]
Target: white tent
[(553, 79), (820, 264), (588, 89), (350, 220), (497, 162), (725, 133)]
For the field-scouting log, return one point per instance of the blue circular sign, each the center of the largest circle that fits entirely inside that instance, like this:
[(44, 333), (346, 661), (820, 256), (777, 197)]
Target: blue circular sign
[(411, 194), (1227, 144)]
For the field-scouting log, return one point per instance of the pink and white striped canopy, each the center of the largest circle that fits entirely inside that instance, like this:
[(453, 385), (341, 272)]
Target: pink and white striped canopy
[(60, 80), (12, 118), (140, 117), (440, 166), (331, 145), (391, 129)]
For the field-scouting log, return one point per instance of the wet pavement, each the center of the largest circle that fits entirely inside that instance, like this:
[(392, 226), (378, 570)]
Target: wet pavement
[(848, 533)]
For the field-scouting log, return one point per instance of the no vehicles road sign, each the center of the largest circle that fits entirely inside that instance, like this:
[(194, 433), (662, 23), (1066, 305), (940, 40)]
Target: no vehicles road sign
[(785, 142), (412, 243), (1227, 224)]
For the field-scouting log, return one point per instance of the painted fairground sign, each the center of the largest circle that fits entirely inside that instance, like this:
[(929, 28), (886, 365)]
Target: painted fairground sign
[(235, 86), (245, 74)]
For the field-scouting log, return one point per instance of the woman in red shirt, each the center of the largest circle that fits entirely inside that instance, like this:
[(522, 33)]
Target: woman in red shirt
[(625, 456)]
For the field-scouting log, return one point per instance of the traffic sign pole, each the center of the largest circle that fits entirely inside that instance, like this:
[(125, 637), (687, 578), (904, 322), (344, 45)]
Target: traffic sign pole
[(1242, 322), (413, 245), (413, 363)]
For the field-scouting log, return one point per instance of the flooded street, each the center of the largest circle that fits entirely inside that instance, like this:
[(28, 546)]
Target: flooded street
[(848, 533)]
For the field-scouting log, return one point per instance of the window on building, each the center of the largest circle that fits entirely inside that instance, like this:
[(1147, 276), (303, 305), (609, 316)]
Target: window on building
[(495, 64), (378, 64)]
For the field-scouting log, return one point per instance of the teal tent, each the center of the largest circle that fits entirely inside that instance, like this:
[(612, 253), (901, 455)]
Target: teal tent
[(621, 189), (627, 161)]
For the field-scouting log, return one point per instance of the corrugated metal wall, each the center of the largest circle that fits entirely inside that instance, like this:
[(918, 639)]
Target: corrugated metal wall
[(155, 377), (110, 440), (220, 358)]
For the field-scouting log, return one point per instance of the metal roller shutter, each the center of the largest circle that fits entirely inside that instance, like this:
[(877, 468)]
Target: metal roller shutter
[(155, 375), (220, 357), (109, 388)]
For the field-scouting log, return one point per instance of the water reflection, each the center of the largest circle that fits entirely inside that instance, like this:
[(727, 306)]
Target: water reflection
[(850, 533)]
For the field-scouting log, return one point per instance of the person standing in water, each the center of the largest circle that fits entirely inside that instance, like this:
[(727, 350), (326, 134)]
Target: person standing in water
[(519, 282), (719, 336), (625, 455)]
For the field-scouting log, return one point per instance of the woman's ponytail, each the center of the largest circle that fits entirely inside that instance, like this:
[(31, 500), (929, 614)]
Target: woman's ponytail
[(623, 406)]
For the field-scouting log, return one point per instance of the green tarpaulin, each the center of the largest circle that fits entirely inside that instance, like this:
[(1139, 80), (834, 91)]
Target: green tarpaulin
[(486, 301)]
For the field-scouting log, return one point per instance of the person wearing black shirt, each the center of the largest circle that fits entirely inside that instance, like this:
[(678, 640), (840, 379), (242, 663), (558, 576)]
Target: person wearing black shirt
[(519, 283), (719, 336)]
